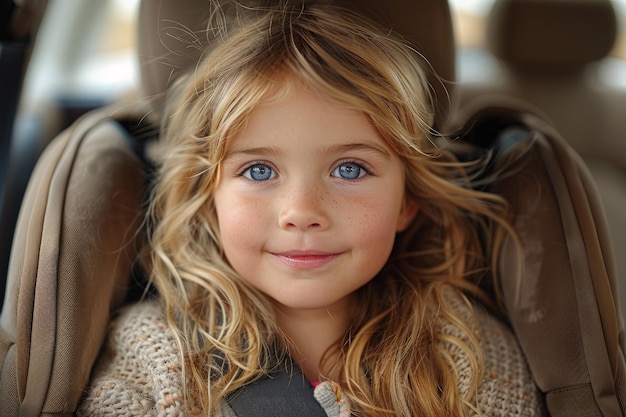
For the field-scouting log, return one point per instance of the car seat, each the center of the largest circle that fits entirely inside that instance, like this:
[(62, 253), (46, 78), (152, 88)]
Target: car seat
[(565, 312), (554, 55), (79, 232)]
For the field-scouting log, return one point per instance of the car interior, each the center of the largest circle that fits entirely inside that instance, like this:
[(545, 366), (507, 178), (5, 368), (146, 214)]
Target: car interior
[(69, 244), (561, 77)]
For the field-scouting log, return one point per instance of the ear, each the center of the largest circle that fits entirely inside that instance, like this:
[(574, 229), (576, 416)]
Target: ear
[(407, 214)]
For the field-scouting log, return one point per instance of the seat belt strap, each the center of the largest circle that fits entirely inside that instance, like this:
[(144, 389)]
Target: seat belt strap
[(285, 393)]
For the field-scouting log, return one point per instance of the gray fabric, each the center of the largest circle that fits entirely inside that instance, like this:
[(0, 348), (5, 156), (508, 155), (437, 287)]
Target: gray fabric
[(285, 393)]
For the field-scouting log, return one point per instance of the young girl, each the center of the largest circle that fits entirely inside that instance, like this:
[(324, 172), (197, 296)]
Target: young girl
[(304, 220)]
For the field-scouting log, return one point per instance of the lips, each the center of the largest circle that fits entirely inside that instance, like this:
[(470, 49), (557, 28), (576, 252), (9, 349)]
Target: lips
[(304, 260)]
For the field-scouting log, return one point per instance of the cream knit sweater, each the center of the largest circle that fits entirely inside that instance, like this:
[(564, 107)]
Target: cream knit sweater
[(138, 372)]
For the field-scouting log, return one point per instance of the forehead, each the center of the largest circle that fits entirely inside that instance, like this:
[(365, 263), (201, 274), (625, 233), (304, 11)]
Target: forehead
[(296, 111), (277, 95)]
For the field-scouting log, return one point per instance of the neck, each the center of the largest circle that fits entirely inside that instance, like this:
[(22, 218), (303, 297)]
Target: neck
[(312, 333)]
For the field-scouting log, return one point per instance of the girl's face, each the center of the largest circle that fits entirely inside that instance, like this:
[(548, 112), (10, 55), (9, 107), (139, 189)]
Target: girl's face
[(309, 201)]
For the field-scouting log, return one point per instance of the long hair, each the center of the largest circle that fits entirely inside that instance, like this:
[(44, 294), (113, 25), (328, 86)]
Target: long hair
[(394, 358)]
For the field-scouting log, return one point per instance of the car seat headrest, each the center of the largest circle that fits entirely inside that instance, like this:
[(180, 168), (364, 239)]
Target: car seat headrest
[(551, 36), (173, 34)]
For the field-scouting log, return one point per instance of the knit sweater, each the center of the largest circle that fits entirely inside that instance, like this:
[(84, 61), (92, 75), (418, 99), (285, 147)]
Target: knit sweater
[(138, 372)]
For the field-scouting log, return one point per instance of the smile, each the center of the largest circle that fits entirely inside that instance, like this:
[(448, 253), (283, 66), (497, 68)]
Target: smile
[(305, 260)]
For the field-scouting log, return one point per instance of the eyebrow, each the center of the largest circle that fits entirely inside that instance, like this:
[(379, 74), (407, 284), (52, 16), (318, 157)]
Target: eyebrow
[(359, 146), (257, 150), (332, 149)]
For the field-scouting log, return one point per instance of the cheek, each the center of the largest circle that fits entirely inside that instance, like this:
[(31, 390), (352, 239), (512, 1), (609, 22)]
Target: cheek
[(378, 232), (240, 225), (374, 232)]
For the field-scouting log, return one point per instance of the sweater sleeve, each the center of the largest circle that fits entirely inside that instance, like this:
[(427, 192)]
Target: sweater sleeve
[(507, 387), (138, 371)]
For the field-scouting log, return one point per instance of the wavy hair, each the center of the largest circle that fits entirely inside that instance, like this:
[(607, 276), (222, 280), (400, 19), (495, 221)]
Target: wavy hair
[(394, 359)]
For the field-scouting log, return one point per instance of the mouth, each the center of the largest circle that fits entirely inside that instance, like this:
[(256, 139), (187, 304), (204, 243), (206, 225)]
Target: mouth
[(303, 260)]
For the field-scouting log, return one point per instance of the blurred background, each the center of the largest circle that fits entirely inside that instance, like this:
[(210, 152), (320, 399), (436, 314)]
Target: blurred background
[(85, 51)]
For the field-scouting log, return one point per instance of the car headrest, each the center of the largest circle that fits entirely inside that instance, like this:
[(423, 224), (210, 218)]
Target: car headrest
[(551, 36), (172, 35)]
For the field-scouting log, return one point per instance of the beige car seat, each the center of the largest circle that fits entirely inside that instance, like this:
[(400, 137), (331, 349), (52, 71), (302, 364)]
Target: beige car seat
[(78, 233), (427, 24), (553, 54)]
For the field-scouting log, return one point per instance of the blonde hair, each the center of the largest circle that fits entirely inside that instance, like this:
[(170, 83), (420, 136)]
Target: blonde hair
[(393, 359)]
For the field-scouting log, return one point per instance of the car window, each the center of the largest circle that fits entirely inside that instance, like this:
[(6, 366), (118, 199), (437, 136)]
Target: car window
[(84, 50)]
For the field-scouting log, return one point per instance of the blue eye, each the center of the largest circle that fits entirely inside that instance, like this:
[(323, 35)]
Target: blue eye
[(349, 171), (259, 172)]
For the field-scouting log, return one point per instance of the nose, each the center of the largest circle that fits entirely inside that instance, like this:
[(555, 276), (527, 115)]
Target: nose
[(303, 207)]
